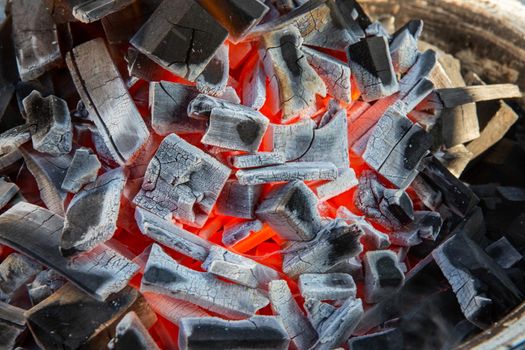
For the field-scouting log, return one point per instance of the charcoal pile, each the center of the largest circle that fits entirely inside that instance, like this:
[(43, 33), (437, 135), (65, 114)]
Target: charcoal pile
[(226, 174)]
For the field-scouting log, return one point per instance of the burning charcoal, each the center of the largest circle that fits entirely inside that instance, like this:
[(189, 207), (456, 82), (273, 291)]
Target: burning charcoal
[(391, 339), (238, 200), (119, 122), (88, 11), (238, 268), (426, 225), (91, 217), (186, 190), (169, 102), (383, 275), (293, 140), (318, 312), (257, 332), (132, 334), (305, 171), (174, 237), (50, 123), (10, 141), (483, 290), (334, 243), (287, 67), (291, 210), (254, 88), (372, 67), (503, 253), (15, 271), (70, 319), (173, 309), (453, 97), (422, 69), (235, 233), (12, 325), (202, 106), (329, 286), (235, 130), (430, 197), (183, 25), (36, 231), (83, 170), (257, 160), (335, 74), (49, 173), (44, 285), (403, 47), (142, 67), (7, 191), (374, 237), (344, 182), (214, 77), (399, 204), (230, 94), (35, 39), (164, 275), (301, 332)]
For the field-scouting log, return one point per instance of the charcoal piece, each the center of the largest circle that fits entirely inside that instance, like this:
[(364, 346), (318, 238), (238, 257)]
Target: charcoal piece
[(10, 141), (183, 25), (91, 217), (235, 233), (172, 236), (305, 171), (371, 65), (44, 285), (372, 236), (169, 103), (318, 312), (254, 88), (163, 275), (483, 290), (88, 11), (503, 253), (187, 188), (230, 94), (293, 140), (335, 74), (291, 210), (214, 77), (429, 196), (455, 159), (238, 200), (422, 69), (403, 47), (239, 269), (50, 123), (257, 160), (391, 339), (346, 180), (15, 271), (235, 130), (131, 333), (107, 100), (202, 106), (7, 191), (70, 319), (426, 226), (399, 205), (301, 332), (383, 275), (328, 286), (49, 173), (257, 332), (453, 97), (173, 309), (83, 170), (12, 325), (142, 67), (456, 195), (36, 231), (334, 243), (287, 68), (35, 39)]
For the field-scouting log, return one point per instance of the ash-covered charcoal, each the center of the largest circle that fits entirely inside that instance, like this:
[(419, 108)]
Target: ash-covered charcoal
[(391, 339), (334, 243), (50, 123), (15, 271), (453, 97), (142, 67), (301, 332), (44, 285), (8, 190), (291, 210), (399, 204), (429, 196), (107, 99), (35, 39), (421, 70), (372, 236), (181, 36), (173, 309), (10, 141), (257, 332), (169, 103), (318, 312), (238, 200), (346, 180), (131, 333), (238, 17), (172, 236), (383, 275), (82, 171), (12, 325), (91, 217), (335, 74), (426, 226), (254, 88), (503, 253), (163, 275), (483, 289), (88, 11), (403, 47), (234, 233), (293, 140), (328, 286), (36, 232), (297, 83), (71, 319), (305, 171), (257, 160), (202, 106), (185, 189), (371, 65), (237, 268), (214, 77)]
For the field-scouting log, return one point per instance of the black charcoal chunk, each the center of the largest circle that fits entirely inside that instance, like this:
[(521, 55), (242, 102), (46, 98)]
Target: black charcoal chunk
[(89, 11), (142, 67), (399, 204), (131, 333), (214, 77), (83, 170), (44, 285), (238, 200), (15, 271), (391, 339), (503, 253), (372, 236), (383, 275), (328, 286), (426, 226), (305, 171)]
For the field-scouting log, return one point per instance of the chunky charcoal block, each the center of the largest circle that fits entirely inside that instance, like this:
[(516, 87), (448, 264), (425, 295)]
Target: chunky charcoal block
[(383, 275), (235, 233), (12, 325), (372, 236), (214, 77), (238, 200), (305, 171), (257, 160), (131, 333), (83, 170), (328, 286), (426, 226), (44, 285)]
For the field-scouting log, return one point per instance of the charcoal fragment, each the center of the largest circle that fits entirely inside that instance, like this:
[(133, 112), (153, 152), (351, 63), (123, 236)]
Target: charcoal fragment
[(403, 47), (131, 333), (426, 226), (305, 171), (235, 233), (372, 236), (44, 285), (257, 160), (12, 325), (88, 11), (15, 271), (214, 77), (238, 200), (346, 180), (383, 275), (83, 170), (328, 286), (503, 253), (399, 204), (8, 190)]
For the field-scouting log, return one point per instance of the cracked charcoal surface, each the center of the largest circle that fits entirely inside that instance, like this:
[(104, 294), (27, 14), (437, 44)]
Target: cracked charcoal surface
[(82, 171)]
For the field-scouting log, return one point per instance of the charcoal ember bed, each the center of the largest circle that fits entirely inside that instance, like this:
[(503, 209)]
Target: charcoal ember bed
[(249, 174)]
